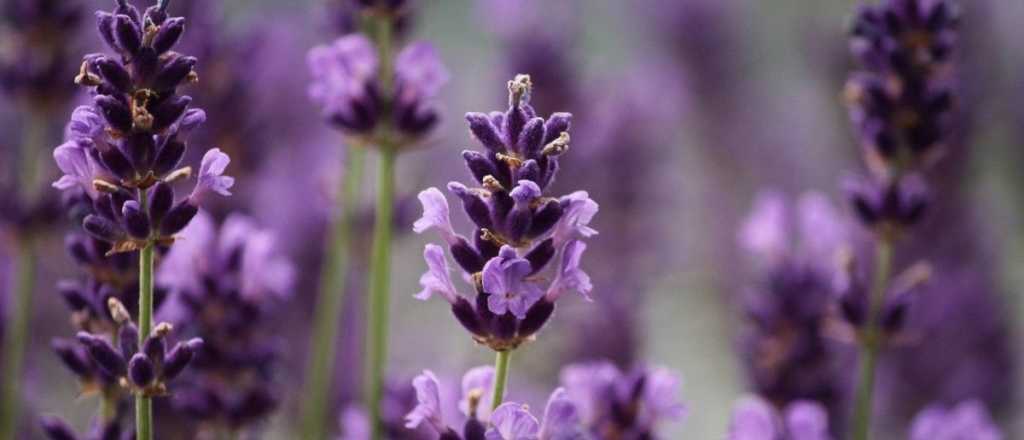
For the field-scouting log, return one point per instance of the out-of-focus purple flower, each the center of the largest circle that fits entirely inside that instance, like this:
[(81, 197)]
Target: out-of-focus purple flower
[(477, 386), (57, 429), (966, 420), (753, 418), (347, 86), (428, 409), (611, 402), (223, 284), (513, 421), (211, 176), (39, 36), (785, 350), (430, 405)]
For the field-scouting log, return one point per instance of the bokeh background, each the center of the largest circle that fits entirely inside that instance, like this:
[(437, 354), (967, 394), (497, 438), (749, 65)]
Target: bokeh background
[(685, 111)]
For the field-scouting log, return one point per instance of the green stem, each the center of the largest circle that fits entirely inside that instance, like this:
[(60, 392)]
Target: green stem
[(16, 336), (872, 342), (144, 404), (330, 301), (380, 276), (501, 364), (23, 284)]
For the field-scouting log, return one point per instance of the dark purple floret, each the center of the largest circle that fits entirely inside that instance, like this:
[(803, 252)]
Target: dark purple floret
[(521, 235)]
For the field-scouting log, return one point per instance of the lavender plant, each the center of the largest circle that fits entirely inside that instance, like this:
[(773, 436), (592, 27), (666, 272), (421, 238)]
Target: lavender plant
[(37, 35), (124, 153), (382, 99), (900, 103), (521, 234), (223, 285)]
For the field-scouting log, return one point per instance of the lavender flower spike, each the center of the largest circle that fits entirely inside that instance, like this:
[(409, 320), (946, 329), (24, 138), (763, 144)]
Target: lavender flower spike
[(519, 229), (966, 420)]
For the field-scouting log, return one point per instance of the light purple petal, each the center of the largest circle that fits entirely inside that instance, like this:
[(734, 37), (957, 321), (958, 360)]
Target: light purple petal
[(754, 419), (661, 395), (211, 176), (576, 217), (478, 382), (436, 214), (570, 276), (264, 271), (436, 278), (585, 385), (561, 419), (807, 420), (765, 232), (512, 421), (505, 279), (525, 192), (72, 160), (428, 407), (355, 424), (419, 67), (823, 228)]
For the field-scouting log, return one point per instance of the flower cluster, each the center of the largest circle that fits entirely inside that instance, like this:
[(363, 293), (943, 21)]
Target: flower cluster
[(125, 149), (222, 284), (787, 351), (38, 35), (595, 401), (519, 231), (901, 103), (754, 418), (347, 84)]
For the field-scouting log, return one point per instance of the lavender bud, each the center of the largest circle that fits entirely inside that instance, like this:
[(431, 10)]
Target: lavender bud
[(464, 313), (117, 163), (141, 371), (135, 221), (545, 218), (102, 228), (178, 218), (115, 74), (179, 358), (466, 256), (73, 357), (105, 356), (474, 205), (172, 73), (128, 337), (161, 199), (528, 171), (478, 164), (541, 254), (169, 34), (73, 295), (155, 349), (532, 138), (504, 326), (536, 317), (105, 24), (115, 112), (127, 34), (77, 248), (169, 157), (485, 132), (169, 112), (557, 124)]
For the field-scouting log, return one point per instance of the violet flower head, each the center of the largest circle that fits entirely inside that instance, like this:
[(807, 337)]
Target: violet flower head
[(902, 99), (348, 88), (966, 420), (785, 350), (223, 284), (509, 421), (753, 418), (522, 236), (39, 36), (125, 149), (629, 404)]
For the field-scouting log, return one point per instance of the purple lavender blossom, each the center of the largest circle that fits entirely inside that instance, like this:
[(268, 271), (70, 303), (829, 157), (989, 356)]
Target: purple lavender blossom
[(787, 352), (967, 420), (753, 418), (519, 231), (346, 85), (616, 404), (127, 146), (223, 283)]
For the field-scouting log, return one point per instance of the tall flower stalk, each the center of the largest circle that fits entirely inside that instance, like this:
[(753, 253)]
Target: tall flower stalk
[(124, 153), (901, 102), (378, 98)]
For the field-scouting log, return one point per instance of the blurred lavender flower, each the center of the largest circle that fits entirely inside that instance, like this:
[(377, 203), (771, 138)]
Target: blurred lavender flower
[(346, 86), (398, 400), (38, 36), (510, 421), (754, 418), (614, 404), (967, 420), (223, 284), (520, 231), (124, 150), (537, 37), (786, 351)]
